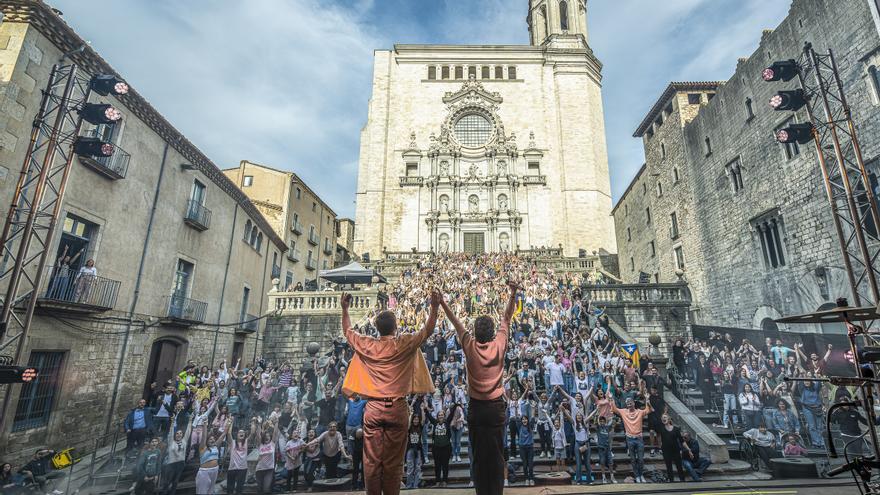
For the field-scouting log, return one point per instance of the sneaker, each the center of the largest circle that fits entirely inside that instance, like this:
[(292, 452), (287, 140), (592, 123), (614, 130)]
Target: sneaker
[(613, 480), (506, 483), (653, 452)]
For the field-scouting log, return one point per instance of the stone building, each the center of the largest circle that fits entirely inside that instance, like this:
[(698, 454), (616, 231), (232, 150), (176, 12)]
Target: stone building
[(488, 148), (183, 257), (298, 215), (746, 220)]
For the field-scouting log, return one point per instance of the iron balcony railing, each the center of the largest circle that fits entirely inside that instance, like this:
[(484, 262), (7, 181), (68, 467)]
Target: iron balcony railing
[(197, 216), (249, 323), (70, 287), (328, 249), (313, 239), (113, 167), (186, 309), (297, 227), (293, 255)]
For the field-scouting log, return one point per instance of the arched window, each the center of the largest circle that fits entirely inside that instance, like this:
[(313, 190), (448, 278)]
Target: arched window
[(259, 240), (544, 23), (247, 231), (563, 15), (769, 326), (254, 232)]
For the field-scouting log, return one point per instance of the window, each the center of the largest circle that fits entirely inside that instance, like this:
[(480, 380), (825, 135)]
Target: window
[(662, 151), (644, 188), (673, 227), (648, 215), (309, 257), (770, 234), (629, 236), (750, 112), (76, 236), (247, 231), (324, 264), (183, 276), (511, 72), (632, 264), (694, 98), (298, 193), (653, 249), (473, 130), (412, 169), (444, 72), (484, 73), (459, 72), (679, 258), (675, 177), (248, 180), (499, 72), (563, 15), (259, 241), (432, 72), (314, 207), (734, 173), (789, 150), (198, 193), (626, 210), (37, 397), (874, 82), (710, 96), (534, 168), (659, 189), (708, 146), (245, 297), (472, 72)]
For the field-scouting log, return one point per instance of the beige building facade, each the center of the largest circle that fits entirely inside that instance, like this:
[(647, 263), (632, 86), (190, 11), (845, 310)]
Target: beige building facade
[(298, 215), (488, 148), (183, 257)]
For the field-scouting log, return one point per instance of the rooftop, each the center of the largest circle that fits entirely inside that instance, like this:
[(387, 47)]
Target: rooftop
[(672, 89)]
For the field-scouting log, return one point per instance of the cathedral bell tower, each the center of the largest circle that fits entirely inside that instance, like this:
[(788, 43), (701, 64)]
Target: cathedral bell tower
[(558, 23)]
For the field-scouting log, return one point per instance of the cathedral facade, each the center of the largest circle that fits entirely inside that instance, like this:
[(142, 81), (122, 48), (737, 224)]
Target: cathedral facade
[(488, 148)]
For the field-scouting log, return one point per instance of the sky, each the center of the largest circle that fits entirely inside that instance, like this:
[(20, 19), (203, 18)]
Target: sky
[(286, 83)]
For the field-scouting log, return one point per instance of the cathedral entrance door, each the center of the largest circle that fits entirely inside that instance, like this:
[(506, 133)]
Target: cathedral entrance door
[(474, 242)]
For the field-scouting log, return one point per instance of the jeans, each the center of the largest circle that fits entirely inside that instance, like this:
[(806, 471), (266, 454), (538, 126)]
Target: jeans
[(544, 433), (813, 418), (527, 454), (235, 481), (582, 461), (729, 409), (696, 468), (425, 443), (636, 447), (441, 463), (513, 428), (265, 478), (752, 419), (456, 441), (330, 465), (171, 475), (413, 468)]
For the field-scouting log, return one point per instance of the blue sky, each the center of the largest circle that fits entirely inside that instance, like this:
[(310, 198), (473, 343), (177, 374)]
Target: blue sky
[(286, 82)]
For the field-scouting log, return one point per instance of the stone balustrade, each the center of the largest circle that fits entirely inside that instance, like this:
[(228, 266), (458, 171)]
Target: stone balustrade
[(323, 302), (633, 294)]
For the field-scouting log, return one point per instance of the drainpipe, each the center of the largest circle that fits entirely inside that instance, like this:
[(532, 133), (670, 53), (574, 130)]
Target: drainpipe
[(262, 295), (223, 289), (137, 292)]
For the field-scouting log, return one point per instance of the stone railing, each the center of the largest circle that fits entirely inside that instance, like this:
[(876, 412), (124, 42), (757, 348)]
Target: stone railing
[(555, 252), (631, 295), (322, 302), (392, 256), (570, 264)]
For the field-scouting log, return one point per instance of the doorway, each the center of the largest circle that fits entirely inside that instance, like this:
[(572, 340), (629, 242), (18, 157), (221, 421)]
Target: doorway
[(163, 363), (474, 243)]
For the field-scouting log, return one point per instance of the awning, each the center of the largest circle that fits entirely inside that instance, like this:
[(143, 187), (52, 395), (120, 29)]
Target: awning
[(353, 273)]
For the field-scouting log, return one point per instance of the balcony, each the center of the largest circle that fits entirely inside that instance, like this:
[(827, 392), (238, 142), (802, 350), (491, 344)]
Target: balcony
[(197, 216), (297, 228), (311, 264), (293, 255), (328, 248), (71, 292), (276, 271), (534, 180), (248, 324), (183, 311), (313, 239), (113, 167)]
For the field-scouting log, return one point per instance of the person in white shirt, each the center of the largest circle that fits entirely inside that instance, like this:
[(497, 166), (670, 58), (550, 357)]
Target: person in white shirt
[(556, 371)]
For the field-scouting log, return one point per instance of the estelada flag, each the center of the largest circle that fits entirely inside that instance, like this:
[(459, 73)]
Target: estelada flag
[(631, 351)]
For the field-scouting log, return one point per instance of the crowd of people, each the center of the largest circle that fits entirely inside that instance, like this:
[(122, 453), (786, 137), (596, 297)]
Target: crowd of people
[(569, 388)]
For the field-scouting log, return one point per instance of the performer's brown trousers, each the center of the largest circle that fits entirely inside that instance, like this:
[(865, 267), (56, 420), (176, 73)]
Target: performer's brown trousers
[(385, 428)]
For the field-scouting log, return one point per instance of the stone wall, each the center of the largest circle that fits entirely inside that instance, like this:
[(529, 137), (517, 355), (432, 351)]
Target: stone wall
[(733, 284), (286, 337)]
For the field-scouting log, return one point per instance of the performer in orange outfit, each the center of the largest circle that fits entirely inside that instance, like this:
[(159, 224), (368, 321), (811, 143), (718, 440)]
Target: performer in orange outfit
[(385, 370)]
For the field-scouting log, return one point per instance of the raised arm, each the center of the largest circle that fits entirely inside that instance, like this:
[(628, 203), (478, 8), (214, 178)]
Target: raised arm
[(428, 329), (511, 301), (456, 323)]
